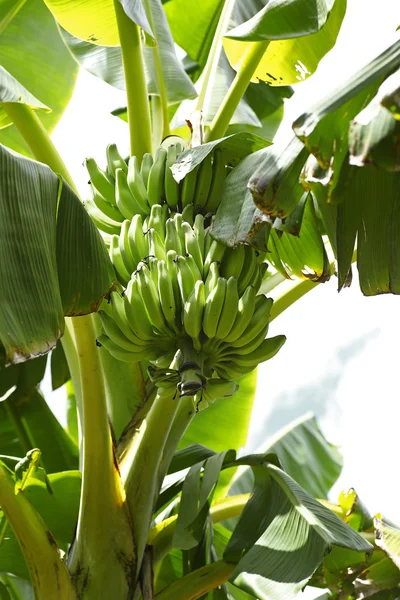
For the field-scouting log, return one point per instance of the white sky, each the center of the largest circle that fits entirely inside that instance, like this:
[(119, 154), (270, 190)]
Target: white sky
[(341, 357)]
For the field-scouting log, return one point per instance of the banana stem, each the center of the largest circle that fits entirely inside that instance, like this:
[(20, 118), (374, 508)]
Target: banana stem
[(135, 80), (246, 68), (215, 51), (49, 575), (197, 583), (34, 133), (140, 465), (98, 555)]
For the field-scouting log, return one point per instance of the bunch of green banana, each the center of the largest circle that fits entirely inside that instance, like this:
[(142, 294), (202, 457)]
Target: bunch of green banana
[(126, 189)]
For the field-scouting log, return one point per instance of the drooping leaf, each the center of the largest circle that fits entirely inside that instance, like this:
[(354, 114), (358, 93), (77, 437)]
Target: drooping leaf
[(282, 536), (288, 58), (59, 367), (29, 36), (12, 91), (53, 260), (95, 22), (185, 458)]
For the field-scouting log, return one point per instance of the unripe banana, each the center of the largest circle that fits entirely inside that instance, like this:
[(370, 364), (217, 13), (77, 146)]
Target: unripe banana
[(244, 314), (116, 309), (173, 274), (171, 186), (233, 261), (199, 232), (221, 388), (215, 253), (166, 293), (258, 322), (226, 350), (147, 163), (100, 180), (115, 334), (192, 246), (149, 294), (177, 218), (186, 278), (115, 160), (217, 183), (105, 207), (138, 242), (231, 370), (172, 238), (156, 245), (155, 184), (146, 352), (229, 309), (259, 275), (249, 270), (157, 219), (100, 220), (125, 249), (212, 278), (116, 259), (136, 313), (137, 186), (203, 183), (189, 187), (126, 203), (266, 350), (193, 313), (188, 214), (213, 308)]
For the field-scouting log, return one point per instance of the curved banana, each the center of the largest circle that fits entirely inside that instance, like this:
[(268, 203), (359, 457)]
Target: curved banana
[(117, 261), (157, 219), (213, 308), (229, 309), (258, 322), (189, 187), (249, 270), (166, 294), (124, 355), (115, 160), (105, 207), (100, 220), (125, 248), (221, 388), (232, 264), (193, 313), (149, 294), (155, 184), (244, 315), (138, 242), (203, 183), (215, 253), (138, 319), (217, 183), (171, 186), (137, 186), (156, 245), (126, 203), (100, 180), (198, 228), (172, 238), (212, 278), (188, 214), (115, 334), (147, 163), (186, 278), (172, 268), (266, 350), (192, 246)]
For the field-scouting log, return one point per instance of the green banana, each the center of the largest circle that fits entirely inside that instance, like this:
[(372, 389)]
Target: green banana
[(266, 350), (192, 246), (149, 294), (166, 294), (117, 261), (173, 275), (244, 314), (193, 313), (137, 316), (221, 388), (212, 278), (232, 264), (231, 370), (156, 245), (177, 218), (249, 270), (137, 186), (124, 355), (215, 253), (157, 219), (115, 160), (213, 308), (259, 275), (217, 183), (125, 249), (199, 232), (155, 184), (189, 188), (188, 214), (119, 315), (105, 207), (138, 242), (172, 238), (100, 180), (226, 350), (203, 183), (171, 186), (186, 278), (126, 203), (100, 220), (258, 322), (229, 309), (147, 163), (115, 334)]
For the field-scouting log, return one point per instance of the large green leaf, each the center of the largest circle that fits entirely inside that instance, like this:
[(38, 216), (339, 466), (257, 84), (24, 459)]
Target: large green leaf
[(305, 455), (288, 58), (282, 537), (94, 21), (32, 51), (53, 260)]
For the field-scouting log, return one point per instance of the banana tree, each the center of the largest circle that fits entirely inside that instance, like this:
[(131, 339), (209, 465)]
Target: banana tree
[(153, 296)]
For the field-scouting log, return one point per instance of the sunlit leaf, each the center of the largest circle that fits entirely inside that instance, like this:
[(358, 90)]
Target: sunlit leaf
[(12, 91)]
